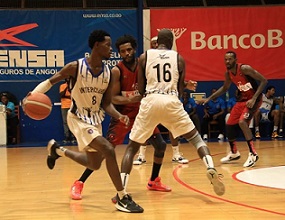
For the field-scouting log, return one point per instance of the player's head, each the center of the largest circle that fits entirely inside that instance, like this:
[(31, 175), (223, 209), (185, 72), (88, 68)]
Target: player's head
[(165, 37), (153, 43), (127, 46), (4, 98), (270, 90), (230, 59), (101, 41)]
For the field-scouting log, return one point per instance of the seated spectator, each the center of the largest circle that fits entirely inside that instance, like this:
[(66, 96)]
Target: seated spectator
[(266, 112), (190, 107), (12, 119), (282, 110), (214, 110)]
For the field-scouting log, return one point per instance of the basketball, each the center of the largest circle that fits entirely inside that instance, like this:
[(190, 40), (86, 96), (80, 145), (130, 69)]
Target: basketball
[(37, 106)]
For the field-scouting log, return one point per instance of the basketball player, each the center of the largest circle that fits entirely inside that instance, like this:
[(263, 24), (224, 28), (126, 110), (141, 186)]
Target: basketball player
[(127, 100), (244, 77), (177, 156), (91, 91), (160, 82)]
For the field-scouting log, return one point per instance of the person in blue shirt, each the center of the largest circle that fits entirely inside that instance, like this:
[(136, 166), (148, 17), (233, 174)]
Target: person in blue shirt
[(214, 110), (12, 119), (190, 107)]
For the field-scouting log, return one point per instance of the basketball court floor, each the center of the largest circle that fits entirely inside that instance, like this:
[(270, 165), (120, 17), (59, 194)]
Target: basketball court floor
[(29, 190)]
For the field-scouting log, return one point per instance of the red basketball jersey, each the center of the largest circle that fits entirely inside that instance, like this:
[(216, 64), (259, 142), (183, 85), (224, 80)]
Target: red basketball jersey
[(246, 85), (129, 85)]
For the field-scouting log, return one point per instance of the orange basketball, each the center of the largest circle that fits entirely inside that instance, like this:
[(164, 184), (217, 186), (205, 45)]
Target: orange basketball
[(37, 106)]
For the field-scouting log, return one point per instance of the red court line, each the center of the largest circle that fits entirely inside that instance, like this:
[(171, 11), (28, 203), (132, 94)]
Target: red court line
[(176, 177)]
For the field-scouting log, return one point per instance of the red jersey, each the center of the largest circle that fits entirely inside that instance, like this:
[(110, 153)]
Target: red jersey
[(129, 86), (246, 85)]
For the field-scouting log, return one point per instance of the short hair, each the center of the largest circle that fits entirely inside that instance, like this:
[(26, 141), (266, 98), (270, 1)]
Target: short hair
[(269, 88), (126, 39), (97, 36), (153, 39), (234, 53)]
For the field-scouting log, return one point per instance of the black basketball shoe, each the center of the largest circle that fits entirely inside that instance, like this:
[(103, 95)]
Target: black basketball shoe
[(52, 155), (126, 204)]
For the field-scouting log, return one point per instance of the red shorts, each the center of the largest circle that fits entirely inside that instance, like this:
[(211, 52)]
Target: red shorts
[(241, 112), (117, 131)]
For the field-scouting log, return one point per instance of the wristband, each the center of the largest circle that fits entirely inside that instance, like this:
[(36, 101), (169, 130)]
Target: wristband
[(43, 87)]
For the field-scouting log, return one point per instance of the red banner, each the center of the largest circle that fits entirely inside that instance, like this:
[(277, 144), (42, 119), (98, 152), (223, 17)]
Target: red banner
[(203, 35)]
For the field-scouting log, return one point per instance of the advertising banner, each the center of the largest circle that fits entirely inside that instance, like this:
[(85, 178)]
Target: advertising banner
[(35, 44), (203, 35)]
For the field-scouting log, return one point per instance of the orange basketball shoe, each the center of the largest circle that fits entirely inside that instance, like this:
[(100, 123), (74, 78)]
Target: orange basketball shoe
[(76, 189), (157, 185)]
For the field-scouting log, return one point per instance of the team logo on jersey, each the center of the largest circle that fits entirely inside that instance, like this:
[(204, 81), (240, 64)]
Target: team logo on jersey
[(9, 35), (163, 56)]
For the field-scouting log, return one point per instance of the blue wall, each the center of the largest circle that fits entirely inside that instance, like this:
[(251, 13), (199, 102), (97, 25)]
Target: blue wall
[(41, 131)]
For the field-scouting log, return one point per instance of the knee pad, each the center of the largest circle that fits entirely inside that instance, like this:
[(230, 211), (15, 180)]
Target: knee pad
[(159, 145)]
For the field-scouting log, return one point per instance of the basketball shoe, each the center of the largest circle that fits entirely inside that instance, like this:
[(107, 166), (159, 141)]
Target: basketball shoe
[(127, 204), (251, 160), (140, 160), (76, 189), (157, 185), (178, 157), (52, 155), (230, 157), (216, 181), (274, 134), (257, 134)]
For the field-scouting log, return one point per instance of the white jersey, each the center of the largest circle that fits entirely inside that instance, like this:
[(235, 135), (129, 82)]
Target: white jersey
[(87, 93), (162, 73), (266, 104)]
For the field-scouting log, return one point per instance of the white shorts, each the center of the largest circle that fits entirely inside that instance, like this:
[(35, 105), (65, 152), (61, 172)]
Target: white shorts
[(160, 109), (84, 133)]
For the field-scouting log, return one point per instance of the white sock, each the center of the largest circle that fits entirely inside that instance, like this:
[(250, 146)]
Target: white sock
[(125, 180), (208, 161), (275, 128), (142, 151), (256, 129), (175, 150), (122, 193), (61, 151)]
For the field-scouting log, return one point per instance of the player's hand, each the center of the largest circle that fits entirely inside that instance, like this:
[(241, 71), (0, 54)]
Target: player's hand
[(24, 102), (250, 103), (192, 85), (125, 119), (204, 101)]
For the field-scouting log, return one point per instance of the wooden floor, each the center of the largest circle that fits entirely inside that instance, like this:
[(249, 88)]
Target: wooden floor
[(29, 190)]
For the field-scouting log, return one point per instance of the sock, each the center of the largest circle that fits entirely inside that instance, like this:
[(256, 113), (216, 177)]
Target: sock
[(256, 129), (275, 128), (175, 150), (208, 161), (280, 130), (251, 147), (125, 180), (85, 175), (142, 151), (155, 171), (122, 193), (233, 146), (61, 151)]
